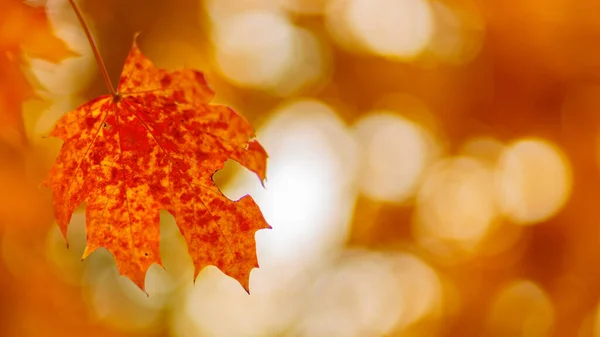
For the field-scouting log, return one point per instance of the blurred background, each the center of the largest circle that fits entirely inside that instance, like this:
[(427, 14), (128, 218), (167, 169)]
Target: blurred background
[(434, 169)]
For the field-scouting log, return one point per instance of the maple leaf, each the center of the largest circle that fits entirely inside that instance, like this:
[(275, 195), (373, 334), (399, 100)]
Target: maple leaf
[(155, 145), (23, 29)]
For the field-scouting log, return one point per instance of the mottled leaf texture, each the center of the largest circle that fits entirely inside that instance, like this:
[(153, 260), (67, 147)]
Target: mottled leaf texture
[(156, 147)]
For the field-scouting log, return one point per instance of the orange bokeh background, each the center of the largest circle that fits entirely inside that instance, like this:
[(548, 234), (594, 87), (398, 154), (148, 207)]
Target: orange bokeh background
[(433, 171)]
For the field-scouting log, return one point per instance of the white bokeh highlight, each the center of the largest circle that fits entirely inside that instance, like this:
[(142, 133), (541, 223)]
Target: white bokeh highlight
[(395, 152), (533, 180), (395, 29)]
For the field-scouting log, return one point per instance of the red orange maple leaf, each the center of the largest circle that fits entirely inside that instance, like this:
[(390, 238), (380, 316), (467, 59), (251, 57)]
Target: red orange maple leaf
[(23, 28), (155, 145)]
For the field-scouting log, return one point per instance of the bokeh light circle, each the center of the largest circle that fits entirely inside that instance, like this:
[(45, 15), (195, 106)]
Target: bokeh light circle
[(264, 50), (397, 29), (522, 308), (395, 153), (458, 34), (254, 48), (455, 204), (371, 292), (533, 180)]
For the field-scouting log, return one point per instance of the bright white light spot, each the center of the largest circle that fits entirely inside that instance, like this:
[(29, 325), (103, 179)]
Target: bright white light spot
[(533, 181), (521, 309), (254, 48), (456, 203), (392, 28), (263, 49), (371, 292), (395, 153), (309, 196)]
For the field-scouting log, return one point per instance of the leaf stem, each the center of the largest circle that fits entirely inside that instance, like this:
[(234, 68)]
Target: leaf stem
[(99, 60)]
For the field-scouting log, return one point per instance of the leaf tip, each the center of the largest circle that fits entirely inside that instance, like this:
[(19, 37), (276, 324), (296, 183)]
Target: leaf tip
[(139, 281), (135, 37), (63, 231), (87, 251), (245, 284), (243, 278)]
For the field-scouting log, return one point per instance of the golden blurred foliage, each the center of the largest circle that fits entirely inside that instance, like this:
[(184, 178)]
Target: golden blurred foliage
[(433, 171), (24, 30)]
